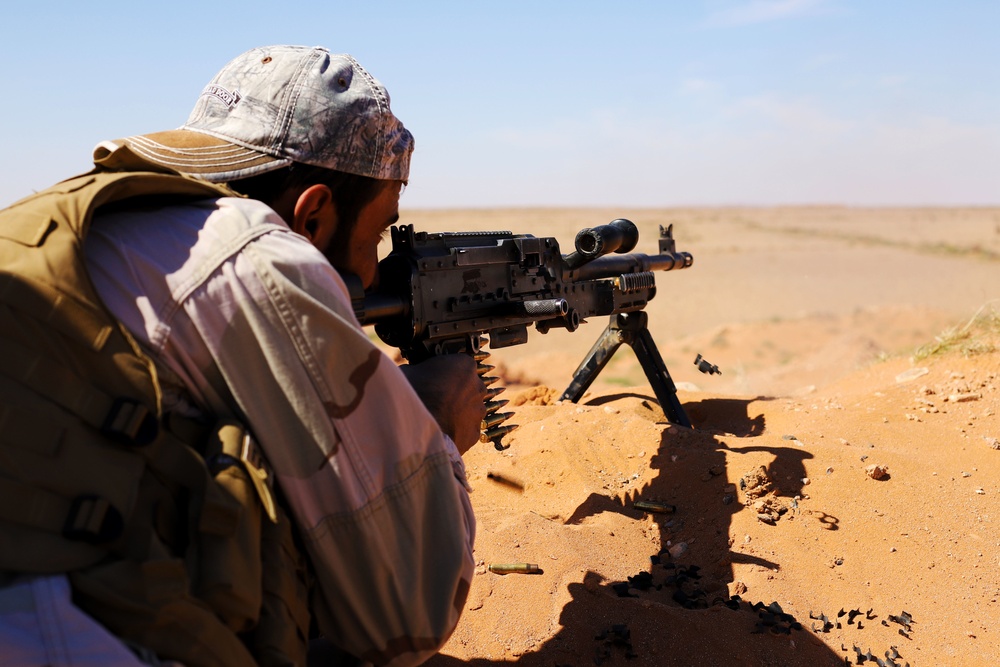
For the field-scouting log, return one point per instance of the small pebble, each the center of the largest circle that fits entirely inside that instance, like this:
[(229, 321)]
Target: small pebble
[(911, 374), (877, 471)]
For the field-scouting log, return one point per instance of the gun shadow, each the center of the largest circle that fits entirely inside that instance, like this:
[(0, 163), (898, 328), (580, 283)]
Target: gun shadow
[(682, 461), (687, 460)]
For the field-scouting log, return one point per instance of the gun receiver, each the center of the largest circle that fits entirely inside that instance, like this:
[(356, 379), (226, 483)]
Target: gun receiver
[(450, 292)]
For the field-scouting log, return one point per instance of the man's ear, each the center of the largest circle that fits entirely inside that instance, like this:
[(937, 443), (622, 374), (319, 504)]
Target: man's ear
[(315, 216)]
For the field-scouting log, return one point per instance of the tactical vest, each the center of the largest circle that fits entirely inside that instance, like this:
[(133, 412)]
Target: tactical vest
[(166, 527)]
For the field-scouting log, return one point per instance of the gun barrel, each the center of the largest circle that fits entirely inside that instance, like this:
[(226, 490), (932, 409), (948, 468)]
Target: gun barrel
[(611, 266)]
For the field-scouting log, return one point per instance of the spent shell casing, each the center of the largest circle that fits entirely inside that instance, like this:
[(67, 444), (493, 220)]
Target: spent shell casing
[(495, 419), (493, 392), (505, 480), (654, 506), (483, 369), (511, 568)]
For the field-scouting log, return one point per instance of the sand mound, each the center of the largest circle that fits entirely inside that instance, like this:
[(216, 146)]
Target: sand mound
[(767, 541)]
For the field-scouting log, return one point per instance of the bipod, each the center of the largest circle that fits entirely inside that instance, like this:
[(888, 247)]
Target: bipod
[(630, 329)]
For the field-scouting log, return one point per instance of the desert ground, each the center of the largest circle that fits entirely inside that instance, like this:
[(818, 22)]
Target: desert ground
[(838, 499)]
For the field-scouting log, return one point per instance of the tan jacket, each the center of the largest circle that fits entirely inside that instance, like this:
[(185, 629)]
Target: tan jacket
[(241, 311)]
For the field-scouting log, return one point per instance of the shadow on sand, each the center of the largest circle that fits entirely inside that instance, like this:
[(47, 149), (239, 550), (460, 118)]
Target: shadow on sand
[(680, 610)]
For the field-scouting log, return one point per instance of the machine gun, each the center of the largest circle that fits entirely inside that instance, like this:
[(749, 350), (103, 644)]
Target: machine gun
[(442, 293)]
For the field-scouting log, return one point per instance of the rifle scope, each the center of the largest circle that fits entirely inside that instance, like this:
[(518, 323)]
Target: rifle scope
[(619, 236)]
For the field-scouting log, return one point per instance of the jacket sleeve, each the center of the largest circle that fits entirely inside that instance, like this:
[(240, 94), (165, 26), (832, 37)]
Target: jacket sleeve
[(377, 491)]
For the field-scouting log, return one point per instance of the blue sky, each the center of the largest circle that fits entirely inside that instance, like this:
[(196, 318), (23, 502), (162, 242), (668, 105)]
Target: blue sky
[(700, 102)]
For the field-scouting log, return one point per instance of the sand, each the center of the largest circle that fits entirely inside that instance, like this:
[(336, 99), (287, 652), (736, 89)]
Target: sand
[(841, 478)]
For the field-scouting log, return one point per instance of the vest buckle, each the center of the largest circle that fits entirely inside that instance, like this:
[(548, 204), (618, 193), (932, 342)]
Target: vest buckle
[(94, 520), (257, 468), (129, 422)]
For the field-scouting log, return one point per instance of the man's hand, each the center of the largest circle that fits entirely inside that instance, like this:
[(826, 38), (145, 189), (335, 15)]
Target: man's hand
[(453, 393)]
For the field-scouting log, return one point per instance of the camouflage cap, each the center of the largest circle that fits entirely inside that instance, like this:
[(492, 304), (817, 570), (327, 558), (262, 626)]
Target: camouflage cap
[(276, 105)]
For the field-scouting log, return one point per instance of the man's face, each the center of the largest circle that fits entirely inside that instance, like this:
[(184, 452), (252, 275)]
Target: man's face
[(357, 251)]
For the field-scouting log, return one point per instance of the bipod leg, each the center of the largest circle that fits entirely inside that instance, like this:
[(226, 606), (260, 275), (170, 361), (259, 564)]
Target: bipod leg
[(631, 329), (652, 364), (595, 361)]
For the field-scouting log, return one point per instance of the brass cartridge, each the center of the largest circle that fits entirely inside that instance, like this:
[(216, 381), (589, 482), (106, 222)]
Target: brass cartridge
[(654, 506), (495, 419), (496, 433), (515, 568)]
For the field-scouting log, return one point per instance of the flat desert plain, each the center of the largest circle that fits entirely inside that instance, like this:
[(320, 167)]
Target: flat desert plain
[(838, 499)]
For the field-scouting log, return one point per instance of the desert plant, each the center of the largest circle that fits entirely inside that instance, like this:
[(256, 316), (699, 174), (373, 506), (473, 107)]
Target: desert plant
[(980, 335)]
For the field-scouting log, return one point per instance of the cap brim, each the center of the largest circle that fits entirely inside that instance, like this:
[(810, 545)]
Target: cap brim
[(203, 155)]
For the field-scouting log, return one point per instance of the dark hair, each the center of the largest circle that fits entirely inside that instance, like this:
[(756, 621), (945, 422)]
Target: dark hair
[(351, 193)]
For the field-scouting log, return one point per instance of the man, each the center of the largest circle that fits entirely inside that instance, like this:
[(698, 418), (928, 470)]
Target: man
[(210, 461)]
